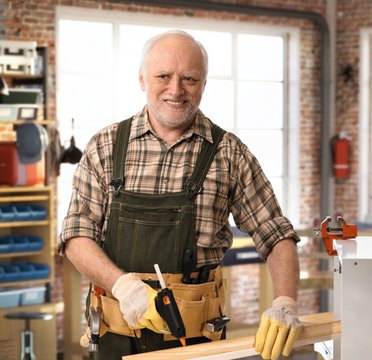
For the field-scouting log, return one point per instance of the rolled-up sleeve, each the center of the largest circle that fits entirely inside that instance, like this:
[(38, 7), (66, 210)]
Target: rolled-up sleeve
[(255, 207), (88, 209)]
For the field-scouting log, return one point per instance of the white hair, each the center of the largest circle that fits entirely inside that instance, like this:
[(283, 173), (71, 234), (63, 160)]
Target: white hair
[(149, 44)]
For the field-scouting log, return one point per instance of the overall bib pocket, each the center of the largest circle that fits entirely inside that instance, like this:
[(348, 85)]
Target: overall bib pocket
[(159, 233)]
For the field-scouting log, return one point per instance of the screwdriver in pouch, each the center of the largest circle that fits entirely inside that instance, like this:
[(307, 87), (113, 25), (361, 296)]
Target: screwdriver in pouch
[(167, 308)]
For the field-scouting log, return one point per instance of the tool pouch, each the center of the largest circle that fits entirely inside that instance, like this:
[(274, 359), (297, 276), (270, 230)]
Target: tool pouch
[(113, 318), (197, 304)]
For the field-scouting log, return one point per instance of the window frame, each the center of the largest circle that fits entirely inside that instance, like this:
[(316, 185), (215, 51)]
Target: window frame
[(365, 127), (291, 88)]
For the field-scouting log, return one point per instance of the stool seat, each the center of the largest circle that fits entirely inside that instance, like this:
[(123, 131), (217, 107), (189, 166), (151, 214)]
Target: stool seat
[(27, 339), (29, 315)]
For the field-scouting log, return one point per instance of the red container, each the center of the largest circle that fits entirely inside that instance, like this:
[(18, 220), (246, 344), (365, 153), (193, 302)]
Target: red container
[(14, 172), (8, 163)]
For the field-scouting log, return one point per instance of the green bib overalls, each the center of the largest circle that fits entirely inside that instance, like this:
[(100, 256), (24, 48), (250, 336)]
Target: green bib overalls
[(148, 229)]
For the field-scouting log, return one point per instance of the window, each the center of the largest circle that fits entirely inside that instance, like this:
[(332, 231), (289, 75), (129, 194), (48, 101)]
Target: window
[(365, 128), (247, 87)]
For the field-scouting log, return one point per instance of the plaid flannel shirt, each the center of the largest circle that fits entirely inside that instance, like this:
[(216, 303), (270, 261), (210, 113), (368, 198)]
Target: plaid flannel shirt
[(234, 184)]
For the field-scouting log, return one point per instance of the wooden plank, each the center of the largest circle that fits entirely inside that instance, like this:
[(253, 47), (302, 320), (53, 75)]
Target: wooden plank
[(317, 327)]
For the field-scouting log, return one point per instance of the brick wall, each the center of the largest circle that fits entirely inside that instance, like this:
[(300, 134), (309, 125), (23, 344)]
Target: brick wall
[(34, 20), (351, 17)]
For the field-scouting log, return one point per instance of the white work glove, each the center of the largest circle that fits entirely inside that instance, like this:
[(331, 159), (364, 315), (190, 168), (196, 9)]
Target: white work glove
[(137, 304), (279, 329)]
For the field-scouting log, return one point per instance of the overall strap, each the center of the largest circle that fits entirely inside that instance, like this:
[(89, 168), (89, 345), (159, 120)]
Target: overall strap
[(119, 154), (194, 184)]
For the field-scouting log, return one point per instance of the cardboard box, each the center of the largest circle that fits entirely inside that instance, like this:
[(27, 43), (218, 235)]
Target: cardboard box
[(18, 48), (17, 65)]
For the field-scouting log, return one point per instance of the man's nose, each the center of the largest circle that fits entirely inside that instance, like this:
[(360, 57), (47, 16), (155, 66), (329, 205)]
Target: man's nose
[(176, 87)]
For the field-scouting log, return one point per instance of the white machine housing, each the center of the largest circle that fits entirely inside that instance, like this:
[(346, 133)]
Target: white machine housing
[(353, 297)]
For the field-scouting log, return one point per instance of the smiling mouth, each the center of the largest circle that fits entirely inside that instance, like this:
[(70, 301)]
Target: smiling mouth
[(172, 102)]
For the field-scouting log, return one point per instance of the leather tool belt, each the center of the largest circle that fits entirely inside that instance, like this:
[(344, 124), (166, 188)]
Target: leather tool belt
[(197, 303)]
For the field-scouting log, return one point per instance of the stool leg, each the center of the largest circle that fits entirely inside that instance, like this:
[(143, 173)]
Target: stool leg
[(27, 346)]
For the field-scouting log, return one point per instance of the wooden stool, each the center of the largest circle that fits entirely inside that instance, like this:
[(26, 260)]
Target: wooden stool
[(27, 343)]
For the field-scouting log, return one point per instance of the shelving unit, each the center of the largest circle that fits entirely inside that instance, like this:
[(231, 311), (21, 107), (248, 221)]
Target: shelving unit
[(45, 331), (40, 80)]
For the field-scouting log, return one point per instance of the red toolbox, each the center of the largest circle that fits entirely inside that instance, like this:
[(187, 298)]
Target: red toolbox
[(8, 163), (14, 172)]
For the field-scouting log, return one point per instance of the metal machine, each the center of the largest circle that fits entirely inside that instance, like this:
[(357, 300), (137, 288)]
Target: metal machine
[(352, 291)]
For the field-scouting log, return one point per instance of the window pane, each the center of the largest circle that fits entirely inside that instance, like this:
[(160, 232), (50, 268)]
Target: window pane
[(218, 46), (85, 46), (132, 38), (260, 105), (217, 102), (260, 57), (267, 146), (87, 99)]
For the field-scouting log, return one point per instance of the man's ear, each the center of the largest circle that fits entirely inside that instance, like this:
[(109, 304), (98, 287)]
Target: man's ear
[(142, 80)]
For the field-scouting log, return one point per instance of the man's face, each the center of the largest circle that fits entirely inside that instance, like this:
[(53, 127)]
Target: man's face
[(174, 81)]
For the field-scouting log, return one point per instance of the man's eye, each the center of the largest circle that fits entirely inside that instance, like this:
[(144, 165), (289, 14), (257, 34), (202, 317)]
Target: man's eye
[(162, 76), (189, 79)]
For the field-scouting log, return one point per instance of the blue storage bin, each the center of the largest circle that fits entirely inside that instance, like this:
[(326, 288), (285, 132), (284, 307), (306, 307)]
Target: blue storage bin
[(32, 296), (9, 297), (22, 213), (7, 213), (26, 271), (20, 243), (41, 271), (35, 243), (38, 212), (11, 273), (6, 244)]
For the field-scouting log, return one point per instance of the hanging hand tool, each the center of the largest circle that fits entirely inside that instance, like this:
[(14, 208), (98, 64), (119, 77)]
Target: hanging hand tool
[(188, 265), (95, 322), (346, 231), (167, 308), (217, 324)]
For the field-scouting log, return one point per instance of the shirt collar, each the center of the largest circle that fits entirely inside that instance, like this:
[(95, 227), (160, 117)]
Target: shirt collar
[(202, 126)]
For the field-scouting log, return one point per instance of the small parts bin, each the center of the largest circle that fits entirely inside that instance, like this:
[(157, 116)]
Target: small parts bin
[(7, 213), (23, 271), (14, 297), (20, 243), (22, 213)]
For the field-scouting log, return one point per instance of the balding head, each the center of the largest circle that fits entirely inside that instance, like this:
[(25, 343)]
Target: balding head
[(168, 35)]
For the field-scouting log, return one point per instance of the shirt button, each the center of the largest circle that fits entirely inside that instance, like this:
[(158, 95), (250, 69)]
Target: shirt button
[(165, 181)]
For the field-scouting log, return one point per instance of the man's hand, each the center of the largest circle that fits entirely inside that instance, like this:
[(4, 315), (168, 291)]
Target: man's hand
[(279, 329), (137, 304)]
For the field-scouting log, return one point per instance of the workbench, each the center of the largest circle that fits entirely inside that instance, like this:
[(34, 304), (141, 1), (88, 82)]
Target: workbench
[(317, 327)]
